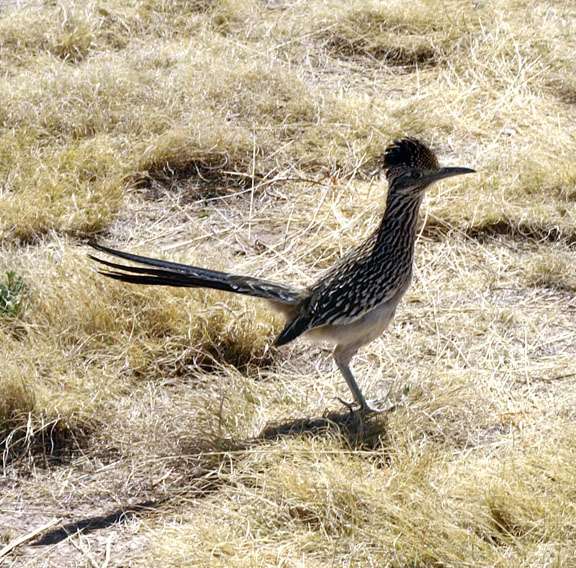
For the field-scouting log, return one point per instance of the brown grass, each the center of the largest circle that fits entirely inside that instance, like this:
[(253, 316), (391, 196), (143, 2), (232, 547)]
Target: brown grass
[(245, 136)]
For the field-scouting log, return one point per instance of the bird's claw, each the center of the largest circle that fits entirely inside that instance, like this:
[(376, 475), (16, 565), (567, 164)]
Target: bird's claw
[(370, 406), (349, 405)]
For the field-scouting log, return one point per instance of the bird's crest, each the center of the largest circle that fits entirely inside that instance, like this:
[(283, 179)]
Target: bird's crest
[(409, 153)]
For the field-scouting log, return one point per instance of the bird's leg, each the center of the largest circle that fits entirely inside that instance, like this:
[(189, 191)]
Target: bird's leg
[(343, 356)]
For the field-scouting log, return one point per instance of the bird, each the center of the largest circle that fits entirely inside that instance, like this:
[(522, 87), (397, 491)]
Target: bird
[(355, 300)]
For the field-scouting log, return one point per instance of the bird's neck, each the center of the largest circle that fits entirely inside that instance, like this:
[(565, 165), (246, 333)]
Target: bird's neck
[(397, 230)]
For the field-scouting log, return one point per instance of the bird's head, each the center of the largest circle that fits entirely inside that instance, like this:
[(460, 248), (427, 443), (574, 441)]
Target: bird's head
[(411, 167)]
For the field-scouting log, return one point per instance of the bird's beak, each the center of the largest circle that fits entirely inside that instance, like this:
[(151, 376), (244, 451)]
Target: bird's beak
[(444, 173)]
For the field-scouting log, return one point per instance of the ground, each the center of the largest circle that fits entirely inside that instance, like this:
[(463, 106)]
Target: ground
[(159, 427)]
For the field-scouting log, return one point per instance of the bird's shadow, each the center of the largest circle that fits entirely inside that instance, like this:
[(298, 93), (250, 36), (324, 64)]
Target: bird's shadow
[(357, 432), (97, 522)]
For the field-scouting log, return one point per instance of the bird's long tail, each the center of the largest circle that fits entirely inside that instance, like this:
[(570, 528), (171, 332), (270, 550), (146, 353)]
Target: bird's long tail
[(163, 273)]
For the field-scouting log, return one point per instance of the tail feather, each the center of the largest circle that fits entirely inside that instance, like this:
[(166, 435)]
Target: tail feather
[(168, 273)]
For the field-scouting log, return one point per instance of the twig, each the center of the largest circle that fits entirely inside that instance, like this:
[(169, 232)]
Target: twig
[(108, 553), (27, 537), (80, 547)]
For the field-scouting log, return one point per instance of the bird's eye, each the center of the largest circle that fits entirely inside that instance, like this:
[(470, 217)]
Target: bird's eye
[(416, 175)]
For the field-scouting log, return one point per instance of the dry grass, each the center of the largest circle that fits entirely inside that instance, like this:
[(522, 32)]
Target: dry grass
[(245, 135)]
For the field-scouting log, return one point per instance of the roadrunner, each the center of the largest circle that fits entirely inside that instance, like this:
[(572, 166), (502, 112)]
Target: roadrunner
[(354, 301)]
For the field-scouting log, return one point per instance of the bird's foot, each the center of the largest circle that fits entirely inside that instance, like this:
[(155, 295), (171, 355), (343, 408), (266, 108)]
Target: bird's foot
[(369, 406), (351, 406), (378, 406)]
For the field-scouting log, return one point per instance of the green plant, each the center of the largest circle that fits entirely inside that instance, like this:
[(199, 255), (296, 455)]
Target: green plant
[(11, 294)]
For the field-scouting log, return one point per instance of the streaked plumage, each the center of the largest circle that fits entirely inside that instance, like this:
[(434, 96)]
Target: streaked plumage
[(355, 300)]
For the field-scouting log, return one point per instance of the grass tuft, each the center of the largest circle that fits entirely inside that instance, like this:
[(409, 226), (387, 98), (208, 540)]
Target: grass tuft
[(552, 271), (396, 34), (75, 41), (215, 161)]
